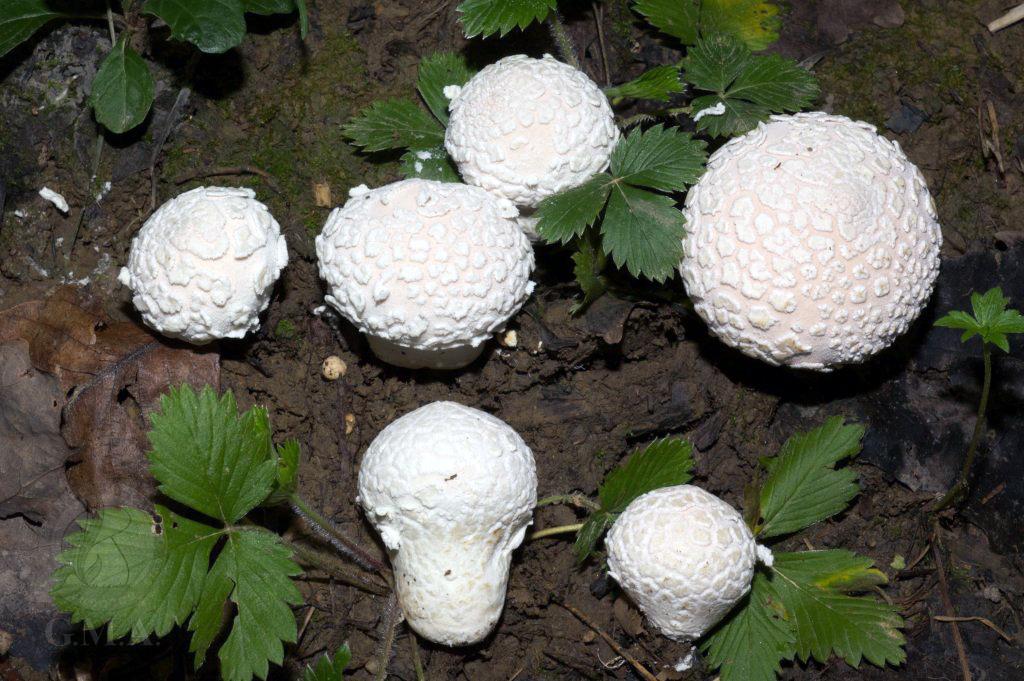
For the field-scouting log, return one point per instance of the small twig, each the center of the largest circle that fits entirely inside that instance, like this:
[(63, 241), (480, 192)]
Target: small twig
[(599, 20), (1013, 16), (305, 623), (552, 531), (619, 650), (388, 626), (958, 639), (183, 96), (562, 40), (234, 170), (992, 495), (981, 620)]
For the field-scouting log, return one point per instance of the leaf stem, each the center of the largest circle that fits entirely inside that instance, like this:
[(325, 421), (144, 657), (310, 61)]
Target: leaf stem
[(326, 530), (110, 25), (575, 499), (552, 531), (562, 40), (330, 565), (960, 488)]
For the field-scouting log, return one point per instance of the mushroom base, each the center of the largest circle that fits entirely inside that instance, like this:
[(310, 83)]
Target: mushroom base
[(412, 358)]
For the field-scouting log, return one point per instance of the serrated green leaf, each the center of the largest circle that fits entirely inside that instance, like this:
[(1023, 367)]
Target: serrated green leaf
[(991, 320), (715, 62), (123, 89), (755, 22), (266, 7), (19, 19), (328, 668), (663, 463), (394, 124), (567, 214), (591, 532), (677, 18), (430, 164), (657, 84), (803, 485), (776, 83), (666, 159), (643, 232), (754, 638), (208, 457), (214, 26), (588, 265), (739, 116), (254, 571), (436, 72), (815, 587), (486, 17), (289, 453), (137, 576)]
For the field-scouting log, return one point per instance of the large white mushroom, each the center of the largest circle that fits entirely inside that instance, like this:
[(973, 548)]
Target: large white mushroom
[(427, 270), (204, 264), (811, 242), (685, 557), (527, 128), (451, 491)]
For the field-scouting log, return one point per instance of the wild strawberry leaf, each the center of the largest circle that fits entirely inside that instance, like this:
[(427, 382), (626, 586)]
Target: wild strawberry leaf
[(123, 89), (657, 84), (990, 320), (19, 19), (214, 26), (666, 159), (643, 232), (430, 164), (754, 22), (436, 72), (329, 668), (486, 17), (269, 6), (394, 124), (567, 214), (677, 18), (588, 265)]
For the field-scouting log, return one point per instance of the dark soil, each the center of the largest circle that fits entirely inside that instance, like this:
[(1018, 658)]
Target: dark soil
[(583, 392)]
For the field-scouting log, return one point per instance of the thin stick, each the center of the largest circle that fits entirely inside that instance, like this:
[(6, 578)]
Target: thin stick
[(599, 20), (305, 623), (1008, 19), (552, 531), (958, 639), (389, 624), (562, 40), (619, 650), (574, 499), (961, 486), (327, 531), (981, 620), (233, 170)]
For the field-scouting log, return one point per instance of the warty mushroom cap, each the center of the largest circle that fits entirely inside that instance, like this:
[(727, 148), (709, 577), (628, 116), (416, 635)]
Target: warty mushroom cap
[(527, 128), (451, 491), (425, 266), (204, 264), (811, 242), (684, 556)]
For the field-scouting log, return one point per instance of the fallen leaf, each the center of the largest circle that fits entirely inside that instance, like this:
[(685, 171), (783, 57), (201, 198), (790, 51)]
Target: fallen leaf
[(628, 617)]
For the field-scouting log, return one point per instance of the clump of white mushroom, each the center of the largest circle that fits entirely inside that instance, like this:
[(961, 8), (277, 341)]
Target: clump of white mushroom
[(203, 266), (685, 557), (451, 491), (527, 128), (811, 242), (427, 270)]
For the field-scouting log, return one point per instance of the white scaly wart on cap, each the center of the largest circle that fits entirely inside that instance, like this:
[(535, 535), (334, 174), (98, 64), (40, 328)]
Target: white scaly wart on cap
[(451, 491), (811, 242), (427, 270), (685, 557), (527, 128), (203, 265)]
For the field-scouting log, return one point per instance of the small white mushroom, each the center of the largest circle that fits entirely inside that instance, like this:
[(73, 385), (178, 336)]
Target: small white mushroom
[(427, 270), (685, 557), (527, 128), (811, 242), (203, 266), (451, 491)]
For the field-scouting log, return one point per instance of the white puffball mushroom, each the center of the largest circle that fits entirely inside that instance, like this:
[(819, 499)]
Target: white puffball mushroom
[(811, 242), (451, 491), (527, 128), (203, 265), (685, 557), (427, 270)]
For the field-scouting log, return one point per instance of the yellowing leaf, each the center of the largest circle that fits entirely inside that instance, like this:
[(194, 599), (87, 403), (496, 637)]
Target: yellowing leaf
[(755, 22)]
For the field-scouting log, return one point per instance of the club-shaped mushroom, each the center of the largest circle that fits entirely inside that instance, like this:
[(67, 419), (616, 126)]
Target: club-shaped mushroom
[(811, 242), (527, 128), (451, 491), (685, 557), (427, 270), (204, 264)]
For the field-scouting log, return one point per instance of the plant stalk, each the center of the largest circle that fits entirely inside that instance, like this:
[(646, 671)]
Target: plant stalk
[(958, 490), (339, 572), (562, 40), (110, 25), (575, 499), (332, 535), (552, 531)]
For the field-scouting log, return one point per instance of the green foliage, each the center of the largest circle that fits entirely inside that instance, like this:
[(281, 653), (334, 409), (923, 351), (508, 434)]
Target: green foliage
[(437, 71), (394, 124), (661, 158), (328, 668), (990, 319), (677, 18), (141, 576), (751, 87), (486, 17), (123, 89), (567, 214), (803, 485), (19, 19), (429, 164), (657, 84), (662, 463), (643, 232), (755, 23), (588, 263), (269, 6), (214, 26)]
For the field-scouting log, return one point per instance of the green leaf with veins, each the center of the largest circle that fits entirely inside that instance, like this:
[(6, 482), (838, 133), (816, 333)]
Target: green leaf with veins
[(208, 457), (588, 264), (138, 576), (567, 214), (657, 84), (803, 484), (123, 89), (591, 532), (214, 26), (19, 19), (394, 124), (267, 7), (816, 587), (328, 668), (429, 164), (436, 72), (253, 570), (486, 17), (754, 22), (715, 62), (677, 18), (750, 644), (991, 319), (643, 232), (666, 159), (288, 456)]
